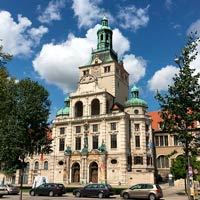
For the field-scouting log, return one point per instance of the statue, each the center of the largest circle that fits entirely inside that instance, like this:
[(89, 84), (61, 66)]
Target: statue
[(102, 148), (85, 147), (68, 151)]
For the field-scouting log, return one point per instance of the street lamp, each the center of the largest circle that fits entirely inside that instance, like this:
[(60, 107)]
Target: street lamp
[(178, 61)]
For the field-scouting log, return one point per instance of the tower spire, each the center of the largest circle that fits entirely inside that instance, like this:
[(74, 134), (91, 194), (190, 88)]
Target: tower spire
[(104, 35)]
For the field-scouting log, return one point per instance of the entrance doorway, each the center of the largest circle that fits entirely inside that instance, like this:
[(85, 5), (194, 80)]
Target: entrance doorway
[(93, 172), (75, 173)]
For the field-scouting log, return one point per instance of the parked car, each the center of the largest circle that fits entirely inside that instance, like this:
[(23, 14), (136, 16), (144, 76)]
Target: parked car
[(3, 191), (94, 190), (143, 191), (48, 189), (11, 188)]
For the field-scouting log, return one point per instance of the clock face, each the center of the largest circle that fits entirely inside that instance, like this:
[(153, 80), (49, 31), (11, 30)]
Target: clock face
[(88, 78)]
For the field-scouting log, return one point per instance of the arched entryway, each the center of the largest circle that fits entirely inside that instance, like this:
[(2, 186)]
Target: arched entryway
[(93, 172), (75, 173)]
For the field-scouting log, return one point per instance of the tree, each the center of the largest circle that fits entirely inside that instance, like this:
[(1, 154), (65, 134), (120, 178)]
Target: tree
[(24, 112), (180, 106)]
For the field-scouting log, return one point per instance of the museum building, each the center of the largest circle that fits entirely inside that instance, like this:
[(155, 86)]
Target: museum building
[(100, 135)]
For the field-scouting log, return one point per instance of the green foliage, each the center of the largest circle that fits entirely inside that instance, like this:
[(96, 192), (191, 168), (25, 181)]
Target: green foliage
[(24, 112), (178, 168), (180, 107)]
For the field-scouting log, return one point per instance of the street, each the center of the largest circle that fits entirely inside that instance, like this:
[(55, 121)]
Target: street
[(167, 196)]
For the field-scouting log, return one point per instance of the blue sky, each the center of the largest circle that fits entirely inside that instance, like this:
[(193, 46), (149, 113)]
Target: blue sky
[(51, 39)]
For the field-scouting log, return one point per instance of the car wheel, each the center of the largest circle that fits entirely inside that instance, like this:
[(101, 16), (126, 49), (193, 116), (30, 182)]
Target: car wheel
[(32, 193), (152, 197), (100, 195), (51, 194), (126, 196), (78, 194)]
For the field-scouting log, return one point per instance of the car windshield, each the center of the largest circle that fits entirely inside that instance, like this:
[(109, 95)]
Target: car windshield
[(11, 185)]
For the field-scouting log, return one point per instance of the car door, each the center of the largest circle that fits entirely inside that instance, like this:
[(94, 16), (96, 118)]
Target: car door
[(135, 191), (87, 191), (40, 190)]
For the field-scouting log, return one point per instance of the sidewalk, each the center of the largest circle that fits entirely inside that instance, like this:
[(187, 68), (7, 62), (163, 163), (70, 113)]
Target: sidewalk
[(173, 192)]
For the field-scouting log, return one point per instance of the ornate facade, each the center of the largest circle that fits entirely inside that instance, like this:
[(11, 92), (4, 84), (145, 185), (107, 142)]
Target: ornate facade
[(100, 135)]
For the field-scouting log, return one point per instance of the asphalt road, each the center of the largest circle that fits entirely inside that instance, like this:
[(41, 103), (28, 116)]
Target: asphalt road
[(167, 196)]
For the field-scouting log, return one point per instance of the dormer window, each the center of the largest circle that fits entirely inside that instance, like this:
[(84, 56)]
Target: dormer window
[(106, 69), (85, 72)]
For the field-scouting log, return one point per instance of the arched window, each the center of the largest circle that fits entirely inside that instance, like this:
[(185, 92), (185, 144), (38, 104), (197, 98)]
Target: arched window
[(36, 165), (79, 109), (27, 167), (46, 165), (95, 107), (162, 162)]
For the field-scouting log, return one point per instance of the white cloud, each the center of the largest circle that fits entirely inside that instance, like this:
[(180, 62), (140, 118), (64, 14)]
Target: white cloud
[(162, 78), (136, 67), (194, 27), (133, 18), (88, 12), (58, 63), (18, 38), (52, 12), (37, 33)]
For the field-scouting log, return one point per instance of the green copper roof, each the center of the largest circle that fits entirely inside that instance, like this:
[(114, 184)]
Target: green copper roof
[(104, 24), (135, 100), (65, 110)]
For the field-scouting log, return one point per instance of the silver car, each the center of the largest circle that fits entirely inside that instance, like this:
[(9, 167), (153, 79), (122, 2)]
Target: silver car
[(143, 191)]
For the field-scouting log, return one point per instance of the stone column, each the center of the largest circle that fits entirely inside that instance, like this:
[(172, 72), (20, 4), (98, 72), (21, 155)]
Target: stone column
[(66, 174)]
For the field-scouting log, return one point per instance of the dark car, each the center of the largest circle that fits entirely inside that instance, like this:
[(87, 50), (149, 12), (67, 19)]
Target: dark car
[(143, 191), (94, 190), (48, 189), (11, 189)]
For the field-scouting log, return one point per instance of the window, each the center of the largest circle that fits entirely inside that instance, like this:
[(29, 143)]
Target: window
[(78, 129), (137, 141), (95, 127), (138, 160), (113, 141), (147, 141), (62, 130), (137, 127), (46, 165), (113, 126), (136, 111), (162, 162), (113, 161), (62, 144), (79, 109), (161, 140), (95, 107), (95, 142), (176, 141), (36, 165), (78, 143), (147, 127), (85, 72), (106, 69)]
